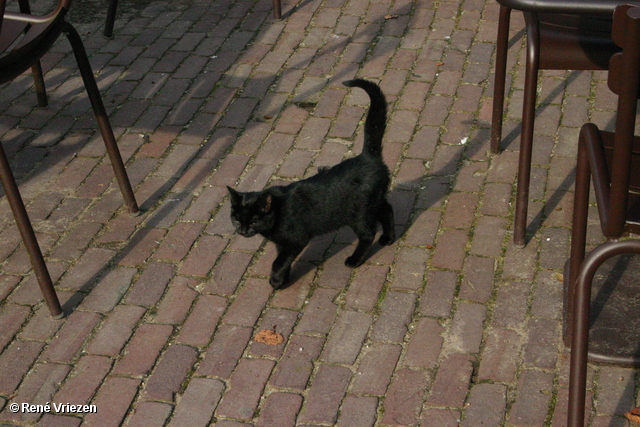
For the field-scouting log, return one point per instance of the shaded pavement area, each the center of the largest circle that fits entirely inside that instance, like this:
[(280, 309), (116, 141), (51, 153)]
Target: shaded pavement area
[(451, 325)]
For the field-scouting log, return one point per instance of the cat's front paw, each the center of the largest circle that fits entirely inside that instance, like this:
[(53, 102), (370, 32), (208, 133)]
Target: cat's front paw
[(386, 240), (275, 282), (279, 279), (353, 261)]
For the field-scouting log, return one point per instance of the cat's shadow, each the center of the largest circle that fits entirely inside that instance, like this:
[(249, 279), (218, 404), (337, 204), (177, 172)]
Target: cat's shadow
[(410, 199)]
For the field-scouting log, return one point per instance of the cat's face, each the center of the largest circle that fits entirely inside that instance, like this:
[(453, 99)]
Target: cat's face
[(252, 212)]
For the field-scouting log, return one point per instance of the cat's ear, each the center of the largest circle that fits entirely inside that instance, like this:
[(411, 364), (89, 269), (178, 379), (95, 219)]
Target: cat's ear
[(266, 202), (236, 198)]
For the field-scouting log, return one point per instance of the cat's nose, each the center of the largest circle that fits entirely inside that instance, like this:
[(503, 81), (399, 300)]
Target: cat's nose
[(246, 232)]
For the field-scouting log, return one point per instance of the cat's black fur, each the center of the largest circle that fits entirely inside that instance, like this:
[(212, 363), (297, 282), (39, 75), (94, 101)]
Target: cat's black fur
[(351, 193)]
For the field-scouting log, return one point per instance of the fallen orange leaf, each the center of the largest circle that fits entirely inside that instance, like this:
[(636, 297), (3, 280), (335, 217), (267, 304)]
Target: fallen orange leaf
[(269, 337)]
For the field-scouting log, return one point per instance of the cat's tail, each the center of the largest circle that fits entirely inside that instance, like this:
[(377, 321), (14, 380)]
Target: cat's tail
[(376, 121)]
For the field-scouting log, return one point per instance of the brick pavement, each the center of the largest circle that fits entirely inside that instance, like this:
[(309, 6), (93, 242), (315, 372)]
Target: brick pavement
[(449, 326)]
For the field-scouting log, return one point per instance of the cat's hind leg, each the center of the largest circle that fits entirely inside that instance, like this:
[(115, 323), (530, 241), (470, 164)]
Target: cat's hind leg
[(385, 217), (366, 235), (281, 267)]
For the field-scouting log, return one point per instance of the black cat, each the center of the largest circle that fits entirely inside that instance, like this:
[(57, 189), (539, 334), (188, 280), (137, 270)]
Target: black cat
[(351, 193)]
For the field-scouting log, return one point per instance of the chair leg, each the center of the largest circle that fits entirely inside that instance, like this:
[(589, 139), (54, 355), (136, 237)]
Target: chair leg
[(579, 351), (500, 78), (101, 117), (38, 79), (579, 224), (277, 9), (38, 82), (111, 17), (28, 236), (526, 137)]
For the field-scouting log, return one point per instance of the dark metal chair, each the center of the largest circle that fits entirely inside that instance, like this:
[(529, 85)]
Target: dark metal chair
[(24, 39), (612, 161), (561, 35), (581, 315)]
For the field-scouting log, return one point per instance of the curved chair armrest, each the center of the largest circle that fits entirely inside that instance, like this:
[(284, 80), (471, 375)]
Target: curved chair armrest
[(61, 7), (31, 19), (571, 7)]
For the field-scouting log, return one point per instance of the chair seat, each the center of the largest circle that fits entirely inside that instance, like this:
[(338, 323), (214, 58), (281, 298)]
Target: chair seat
[(614, 326), (23, 43), (573, 42), (11, 30)]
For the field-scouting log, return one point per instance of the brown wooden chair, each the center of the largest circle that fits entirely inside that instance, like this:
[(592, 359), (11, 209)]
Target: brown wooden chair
[(561, 35), (24, 39), (612, 161)]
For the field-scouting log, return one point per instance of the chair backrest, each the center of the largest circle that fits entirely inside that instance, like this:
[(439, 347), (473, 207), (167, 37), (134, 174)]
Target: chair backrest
[(26, 37), (624, 80)]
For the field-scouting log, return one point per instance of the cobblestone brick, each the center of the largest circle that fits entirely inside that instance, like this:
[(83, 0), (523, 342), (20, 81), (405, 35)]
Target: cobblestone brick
[(395, 314), (531, 408), (86, 270), (115, 330), (37, 389), (225, 350), (83, 381), (346, 338), (280, 409), (13, 316), (424, 345), (486, 405), (176, 302), (167, 378), (150, 285), (325, 394), (199, 327), (198, 402), (143, 349), (70, 338), (150, 413), (115, 396), (500, 356), (466, 330), (404, 397), (450, 385), (320, 312), (375, 369), (245, 387)]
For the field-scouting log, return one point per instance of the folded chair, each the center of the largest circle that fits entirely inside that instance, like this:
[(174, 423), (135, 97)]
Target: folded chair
[(612, 161), (561, 35), (24, 39)]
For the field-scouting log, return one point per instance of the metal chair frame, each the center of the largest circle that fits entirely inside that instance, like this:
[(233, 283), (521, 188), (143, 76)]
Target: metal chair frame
[(24, 39), (611, 160), (555, 41)]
